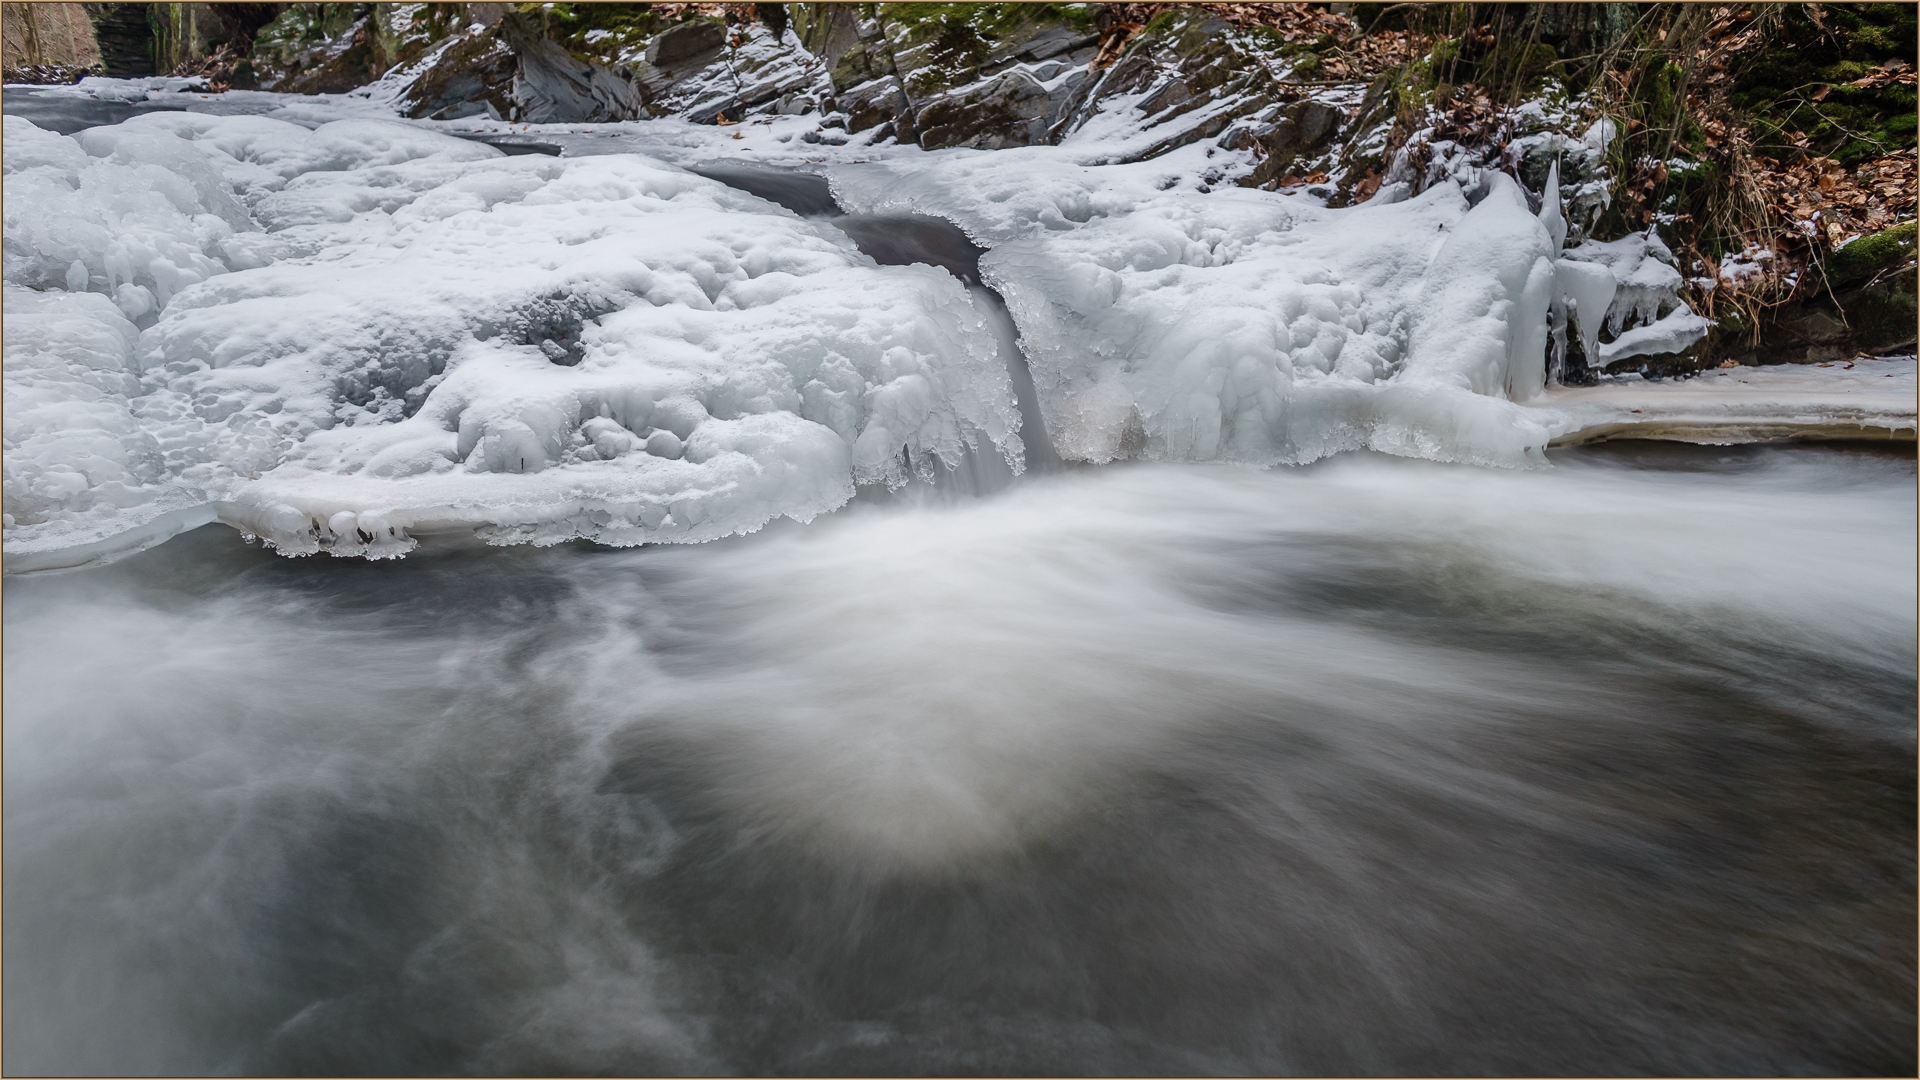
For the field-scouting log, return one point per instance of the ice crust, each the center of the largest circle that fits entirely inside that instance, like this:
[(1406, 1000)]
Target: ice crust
[(1250, 327), (445, 336), (341, 333)]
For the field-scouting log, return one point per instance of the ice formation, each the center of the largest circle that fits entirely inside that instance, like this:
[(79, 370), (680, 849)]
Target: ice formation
[(1243, 326), (339, 334), (347, 335)]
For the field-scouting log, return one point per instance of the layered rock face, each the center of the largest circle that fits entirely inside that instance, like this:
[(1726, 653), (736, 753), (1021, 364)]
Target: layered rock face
[(982, 76)]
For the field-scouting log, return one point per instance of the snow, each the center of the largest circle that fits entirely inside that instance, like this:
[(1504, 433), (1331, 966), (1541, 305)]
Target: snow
[(340, 332)]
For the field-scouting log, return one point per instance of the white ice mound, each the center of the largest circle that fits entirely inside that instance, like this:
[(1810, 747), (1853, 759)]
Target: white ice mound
[(533, 347), (1167, 320)]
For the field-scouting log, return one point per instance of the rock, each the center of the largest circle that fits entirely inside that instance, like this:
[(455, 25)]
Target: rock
[(316, 49), (553, 86), (687, 42), (1860, 260), (125, 38), (875, 102), (472, 77), (1301, 129), (1180, 63), (939, 48), (758, 69), (1876, 317), (827, 31), (773, 17), (1012, 109)]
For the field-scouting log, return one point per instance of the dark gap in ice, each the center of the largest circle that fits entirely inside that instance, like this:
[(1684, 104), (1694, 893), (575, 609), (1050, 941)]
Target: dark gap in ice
[(804, 193), (66, 113), (510, 145), (902, 240)]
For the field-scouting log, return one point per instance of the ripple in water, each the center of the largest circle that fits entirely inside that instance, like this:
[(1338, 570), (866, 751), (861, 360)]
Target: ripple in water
[(1375, 766)]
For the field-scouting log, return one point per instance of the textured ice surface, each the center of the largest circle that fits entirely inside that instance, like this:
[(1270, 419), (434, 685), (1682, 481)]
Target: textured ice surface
[(338, 331), (367, 329), (1166, 322)]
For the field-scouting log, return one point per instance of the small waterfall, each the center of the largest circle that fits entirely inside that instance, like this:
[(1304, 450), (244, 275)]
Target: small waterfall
[(902, 240)]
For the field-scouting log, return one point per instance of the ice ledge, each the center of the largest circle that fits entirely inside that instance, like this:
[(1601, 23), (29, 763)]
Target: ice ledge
[(1862, 399), (153, 533)]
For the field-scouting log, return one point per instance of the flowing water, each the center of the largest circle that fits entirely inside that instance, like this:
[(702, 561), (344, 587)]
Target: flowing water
[(1371, 766)]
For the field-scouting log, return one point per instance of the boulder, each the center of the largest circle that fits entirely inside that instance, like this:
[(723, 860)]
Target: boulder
[(553, 86), (697, 40), (472, 77), (1012, 109), (1302, 129)]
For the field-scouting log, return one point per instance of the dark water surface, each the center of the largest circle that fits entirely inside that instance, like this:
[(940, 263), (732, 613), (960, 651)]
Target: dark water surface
[(1371, 767)]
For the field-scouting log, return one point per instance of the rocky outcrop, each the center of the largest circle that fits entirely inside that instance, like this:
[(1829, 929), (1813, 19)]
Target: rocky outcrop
[(1014, 108), (1868, 306), (553, 85), (471, 76), (325, 48)]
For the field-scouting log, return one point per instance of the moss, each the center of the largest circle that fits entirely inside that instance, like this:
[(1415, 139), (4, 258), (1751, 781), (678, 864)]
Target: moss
[(1851, 124), (937, 46), (302, 25), (1870, 255), (598, 31)]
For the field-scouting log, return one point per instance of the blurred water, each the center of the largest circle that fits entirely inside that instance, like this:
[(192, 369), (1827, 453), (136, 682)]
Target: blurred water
[(1372, 766)]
